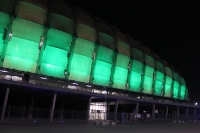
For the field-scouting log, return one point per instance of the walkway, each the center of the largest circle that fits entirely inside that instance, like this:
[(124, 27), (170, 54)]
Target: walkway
[(153, 127)]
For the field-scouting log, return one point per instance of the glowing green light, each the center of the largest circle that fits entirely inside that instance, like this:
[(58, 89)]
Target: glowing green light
[(159, 83), (135, 77)]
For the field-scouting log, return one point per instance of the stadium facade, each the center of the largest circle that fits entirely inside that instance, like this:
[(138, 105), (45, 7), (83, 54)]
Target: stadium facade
[(51, 41)]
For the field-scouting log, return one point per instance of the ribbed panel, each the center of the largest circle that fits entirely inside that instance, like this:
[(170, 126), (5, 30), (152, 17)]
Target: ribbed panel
[(27, 29), (149, 61), (86, 32), (61, 9), (106, 40), (168, 72), (123, 48), (61, 23), (160, 67), (137, 55), (31, 12)]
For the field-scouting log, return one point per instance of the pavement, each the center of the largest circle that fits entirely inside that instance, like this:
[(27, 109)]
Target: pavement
[(144, 127)]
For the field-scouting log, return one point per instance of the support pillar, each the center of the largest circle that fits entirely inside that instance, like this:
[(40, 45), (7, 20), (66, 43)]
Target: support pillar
[(177, 114), (166, 113), (115, 113), (88, 109), (62, 110), (5, 103), (31, 108), (137, 108), (186, 114), (153, 112), (53, 107), (195, 112)]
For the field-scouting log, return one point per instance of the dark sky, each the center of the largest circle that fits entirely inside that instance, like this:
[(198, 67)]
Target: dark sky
[(170, 28)]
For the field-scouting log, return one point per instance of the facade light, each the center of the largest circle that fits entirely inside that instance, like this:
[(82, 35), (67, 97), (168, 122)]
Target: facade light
[(43, 77), (88, 85), (3, 71), (75, 83), (104, 92), (10, 35), (196, 103)]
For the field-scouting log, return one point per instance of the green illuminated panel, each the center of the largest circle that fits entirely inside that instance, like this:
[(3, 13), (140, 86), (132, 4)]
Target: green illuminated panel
[(52, 70), (158, 83), (21, 54), (135, 76), (148, 79), (168, 83), (22, 48), (54, 62), (4, 20), (120, 77), (80, 68), (28, 30), (102, 73), (121, 71), (81, 60), (59, 39), (102, 68), (122, 61), (105, 54), (84, 47), (19, 64), (1, 44), (182, 93), (175, 89)]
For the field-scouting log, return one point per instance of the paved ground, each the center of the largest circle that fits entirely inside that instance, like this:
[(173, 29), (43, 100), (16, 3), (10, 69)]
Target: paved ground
[(156, 127)]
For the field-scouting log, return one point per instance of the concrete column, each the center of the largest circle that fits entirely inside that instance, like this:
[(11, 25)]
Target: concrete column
[(186, 113), (53, 107), (137, 108), (5, 103), (88, 109), (177, 114), (166, 113), (195, 112), (115, 113), (153, 111), (62, 110), (31, 108)]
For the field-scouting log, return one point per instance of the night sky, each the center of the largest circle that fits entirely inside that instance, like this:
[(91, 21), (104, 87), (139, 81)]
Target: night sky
[(170, 28)]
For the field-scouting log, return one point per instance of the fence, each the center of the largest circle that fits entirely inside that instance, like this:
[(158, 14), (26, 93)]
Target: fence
[(16, 113)]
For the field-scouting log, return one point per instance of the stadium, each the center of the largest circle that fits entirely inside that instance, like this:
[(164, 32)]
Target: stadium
[(59, 62)]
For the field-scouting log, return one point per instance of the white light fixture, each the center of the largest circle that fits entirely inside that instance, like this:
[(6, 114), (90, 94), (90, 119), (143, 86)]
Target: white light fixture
[(43, 77), (138, 97), (104, 92), (88, 85), (196, 103), (75, 83), (3, 71)]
